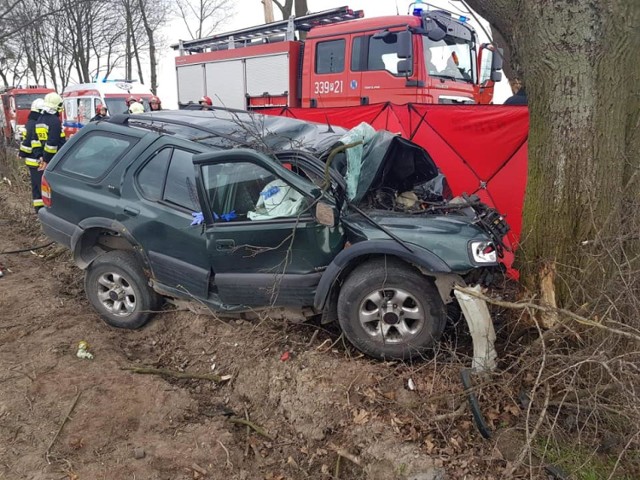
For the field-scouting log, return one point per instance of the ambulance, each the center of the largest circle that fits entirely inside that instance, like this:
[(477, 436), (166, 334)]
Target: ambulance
[(82, 100)]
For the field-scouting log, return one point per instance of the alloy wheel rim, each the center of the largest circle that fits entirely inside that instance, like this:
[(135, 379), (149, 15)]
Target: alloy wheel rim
[(391, 316), (116, 294)]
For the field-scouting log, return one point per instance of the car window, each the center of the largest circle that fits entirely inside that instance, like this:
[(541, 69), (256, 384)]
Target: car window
[(180, 188), (330, 56), (243, 191), (151, 176), (96, 154)]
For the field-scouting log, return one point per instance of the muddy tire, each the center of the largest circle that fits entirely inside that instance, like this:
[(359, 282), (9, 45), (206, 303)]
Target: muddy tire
[(119, 291), (388, 310)]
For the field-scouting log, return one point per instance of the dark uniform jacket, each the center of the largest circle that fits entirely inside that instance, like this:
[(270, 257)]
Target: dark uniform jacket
[(51, 134), (31, 147)]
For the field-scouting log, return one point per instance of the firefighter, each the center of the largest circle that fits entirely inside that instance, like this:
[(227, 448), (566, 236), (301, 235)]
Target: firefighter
[(129, 101), (205, 102), (155, 104), (49, 128), (31, 151), (101, 113), (136, 107)]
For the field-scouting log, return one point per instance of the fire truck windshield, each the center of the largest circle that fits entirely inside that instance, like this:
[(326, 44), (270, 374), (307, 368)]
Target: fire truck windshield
[(24, 100), (451, 58)]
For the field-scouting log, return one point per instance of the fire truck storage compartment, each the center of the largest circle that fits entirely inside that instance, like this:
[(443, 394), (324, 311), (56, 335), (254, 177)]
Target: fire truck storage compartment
[(225, 82), (190, 83), (268, 74)]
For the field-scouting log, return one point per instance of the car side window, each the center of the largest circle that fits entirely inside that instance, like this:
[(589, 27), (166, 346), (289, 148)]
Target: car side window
[(242, 191), (180, 187), (152, 175), (96, 154), (330, 56)]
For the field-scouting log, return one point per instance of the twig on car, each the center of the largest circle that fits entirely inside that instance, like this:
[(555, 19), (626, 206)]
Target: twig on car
[(169, 373), (64, 421)]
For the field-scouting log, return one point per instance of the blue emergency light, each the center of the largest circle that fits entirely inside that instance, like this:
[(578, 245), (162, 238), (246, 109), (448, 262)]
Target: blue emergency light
[(418, 8)]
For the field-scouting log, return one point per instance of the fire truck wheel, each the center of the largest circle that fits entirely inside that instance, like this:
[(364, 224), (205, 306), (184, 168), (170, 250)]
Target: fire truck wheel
[(119, 291), (388, 310)]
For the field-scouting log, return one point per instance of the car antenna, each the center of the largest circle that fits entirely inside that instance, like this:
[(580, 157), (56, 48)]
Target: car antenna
[(329, 127)]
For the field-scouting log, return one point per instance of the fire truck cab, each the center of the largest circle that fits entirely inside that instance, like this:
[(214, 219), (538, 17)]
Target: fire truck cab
[(81, 101), (16, 105), (432, 56)]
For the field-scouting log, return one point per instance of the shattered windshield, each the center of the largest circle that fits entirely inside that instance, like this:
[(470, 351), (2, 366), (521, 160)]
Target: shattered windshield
[(451, 58)]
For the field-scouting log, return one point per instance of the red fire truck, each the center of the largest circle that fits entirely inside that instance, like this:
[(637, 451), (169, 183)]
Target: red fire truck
[(16, 104), (432, 56)]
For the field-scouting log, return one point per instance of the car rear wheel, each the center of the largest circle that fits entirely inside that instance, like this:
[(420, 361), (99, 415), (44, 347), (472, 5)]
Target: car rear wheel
[(119, 291), (388, 310)]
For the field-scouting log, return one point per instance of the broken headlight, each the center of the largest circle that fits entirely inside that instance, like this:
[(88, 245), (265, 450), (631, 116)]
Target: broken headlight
[(483, 252)]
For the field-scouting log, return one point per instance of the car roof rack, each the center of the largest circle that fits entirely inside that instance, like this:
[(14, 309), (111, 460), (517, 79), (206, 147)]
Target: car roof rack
[(284, 28)]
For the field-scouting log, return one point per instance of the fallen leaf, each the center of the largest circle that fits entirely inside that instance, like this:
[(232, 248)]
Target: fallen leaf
[(361, 417)]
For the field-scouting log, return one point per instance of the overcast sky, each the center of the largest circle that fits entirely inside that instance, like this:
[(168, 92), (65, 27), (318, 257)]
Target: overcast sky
[(250, 12)]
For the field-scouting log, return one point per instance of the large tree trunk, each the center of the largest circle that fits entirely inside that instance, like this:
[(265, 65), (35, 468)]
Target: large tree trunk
[(581, 69)]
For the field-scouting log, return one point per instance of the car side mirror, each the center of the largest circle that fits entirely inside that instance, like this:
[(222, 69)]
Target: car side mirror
[(496, 76), (325, 214), (404, 44)]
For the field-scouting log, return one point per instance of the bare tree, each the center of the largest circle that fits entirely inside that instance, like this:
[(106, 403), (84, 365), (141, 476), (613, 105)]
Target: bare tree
[(203, 17), (153, 15), (287, 7)]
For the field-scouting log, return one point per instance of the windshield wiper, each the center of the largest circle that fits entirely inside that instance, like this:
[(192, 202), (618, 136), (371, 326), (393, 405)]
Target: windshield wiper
[(449, 77)]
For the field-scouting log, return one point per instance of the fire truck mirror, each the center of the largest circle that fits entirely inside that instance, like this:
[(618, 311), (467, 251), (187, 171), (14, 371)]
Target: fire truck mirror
[(496, 76), (404, 67), (435, 33), (404, 46), (497, 61)]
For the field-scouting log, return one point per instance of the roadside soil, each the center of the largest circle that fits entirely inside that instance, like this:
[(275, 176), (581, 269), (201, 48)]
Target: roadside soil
[(326, 412)]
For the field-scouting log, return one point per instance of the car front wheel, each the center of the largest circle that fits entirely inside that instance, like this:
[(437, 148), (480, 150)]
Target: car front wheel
[(388, 310), (119, 291)]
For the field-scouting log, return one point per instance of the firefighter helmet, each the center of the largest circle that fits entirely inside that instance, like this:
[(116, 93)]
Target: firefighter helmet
[(155, 101), (130, 100), (136, 107), (37, 105), (53, 101), (206, 101), (100, 107)]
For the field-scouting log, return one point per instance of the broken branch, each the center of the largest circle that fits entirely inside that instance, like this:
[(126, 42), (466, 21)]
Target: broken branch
[(528, 305), (344, 454), (256, 428), (169, 373), (64, 421)]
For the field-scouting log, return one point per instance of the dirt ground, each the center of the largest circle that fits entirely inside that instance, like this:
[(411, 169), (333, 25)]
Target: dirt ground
[(325, 411)]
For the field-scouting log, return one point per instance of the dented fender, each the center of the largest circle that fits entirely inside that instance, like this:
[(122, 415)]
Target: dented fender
[(424, 259)]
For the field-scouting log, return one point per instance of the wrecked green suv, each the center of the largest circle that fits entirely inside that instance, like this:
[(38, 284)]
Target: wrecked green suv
[(242, 212)]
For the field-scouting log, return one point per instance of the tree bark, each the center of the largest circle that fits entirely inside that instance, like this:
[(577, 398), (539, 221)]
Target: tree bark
[(153, 63), (579, 61)]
